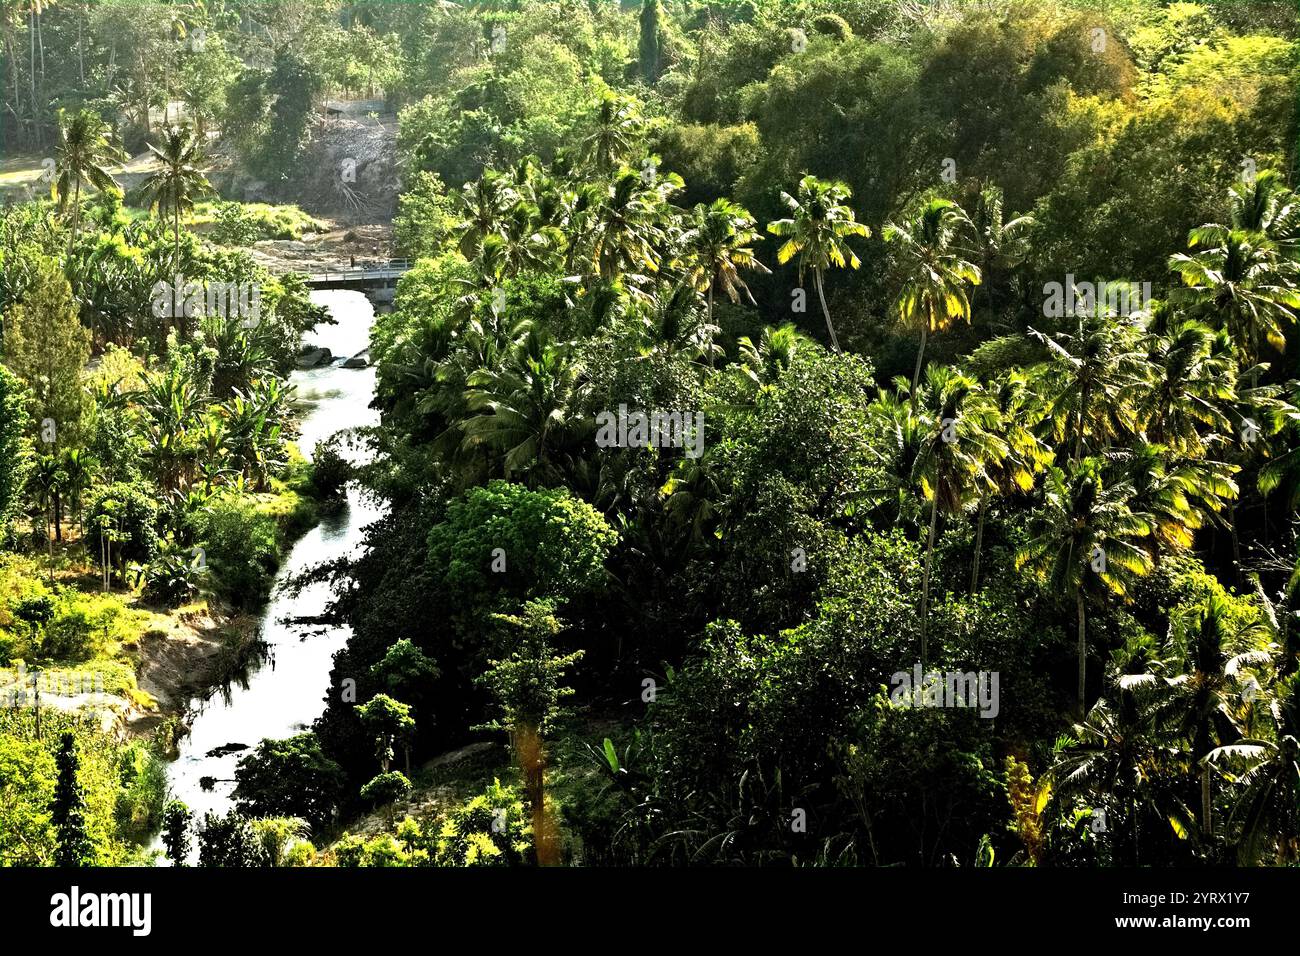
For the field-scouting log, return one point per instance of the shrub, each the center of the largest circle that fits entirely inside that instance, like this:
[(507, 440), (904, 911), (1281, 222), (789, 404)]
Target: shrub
[(241, 548), (239, 224), (833, 25), (490, 830), (171, 578), (553, 544), (406, 849), (123, 510), (289, 778), (386, 789), (70, 636), (144, 790), (330, 472), (227, 841)]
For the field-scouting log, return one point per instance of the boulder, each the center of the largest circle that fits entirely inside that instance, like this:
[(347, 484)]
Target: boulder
[(314, 357)]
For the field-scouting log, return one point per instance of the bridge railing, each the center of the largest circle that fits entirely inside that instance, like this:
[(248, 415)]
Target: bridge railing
[(392, 268)]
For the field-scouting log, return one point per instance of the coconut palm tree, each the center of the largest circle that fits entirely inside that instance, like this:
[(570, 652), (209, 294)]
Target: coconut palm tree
[(900, 432), (527, 243), (616, 134), (1265, 205), (1176, 493), (1088, 540), (717, 246), (82, 155), (1121, 750), (1238, 281), (817, 231), (521, 410), (1182, 407), (1090, 378), (672, 325), (1283, 471), (760, 365), (934, 274), (998, 244), (628, 223), (1025, 455), (958, 425), (484, 204), (1204, 702), (1267, 809), (176, 185)]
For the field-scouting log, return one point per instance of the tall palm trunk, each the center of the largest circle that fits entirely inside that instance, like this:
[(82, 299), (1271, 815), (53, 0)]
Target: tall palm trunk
[(979, 544), (1078, 434), (920, 359), (76, 214), (710, 322), (925, 582), (1236, 540), (40, 42), (176, 235), (821, 296), (1083, 651), (31, 72), (14, 77), (49, 543), (1207, 805)]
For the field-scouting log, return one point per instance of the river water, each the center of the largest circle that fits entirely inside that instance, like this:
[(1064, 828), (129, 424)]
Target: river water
[(285, 693)]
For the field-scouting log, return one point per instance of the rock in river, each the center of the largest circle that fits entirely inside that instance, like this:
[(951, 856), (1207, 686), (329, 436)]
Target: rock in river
[(314, 358)]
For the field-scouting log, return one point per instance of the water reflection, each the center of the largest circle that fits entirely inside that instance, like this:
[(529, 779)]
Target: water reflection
[(282, 690)]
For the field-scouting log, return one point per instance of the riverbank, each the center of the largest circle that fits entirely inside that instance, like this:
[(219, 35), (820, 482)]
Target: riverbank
[(282, 690), (209, 643), (137, 663)]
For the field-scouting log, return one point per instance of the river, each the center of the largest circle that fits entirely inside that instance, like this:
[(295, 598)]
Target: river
[(283, 694)]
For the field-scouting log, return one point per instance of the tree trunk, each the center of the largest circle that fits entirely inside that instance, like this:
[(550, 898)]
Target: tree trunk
[(531, 754), (710, 323), (979, 544), (181, 322), (31, 73), (920, 359), (1236, 541), (1078, 435), (15, 78), (925, 583), (40, 42), (76, 214), (988, 287), (50, 548), (821, 295), (1083, 652), (58, 515), (1207, 805)]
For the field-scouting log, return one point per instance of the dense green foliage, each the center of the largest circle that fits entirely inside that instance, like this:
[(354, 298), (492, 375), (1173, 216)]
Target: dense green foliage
[(1061, 482), (755, 354)]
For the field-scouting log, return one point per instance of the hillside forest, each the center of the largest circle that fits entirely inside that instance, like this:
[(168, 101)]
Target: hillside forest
[(805, 432)]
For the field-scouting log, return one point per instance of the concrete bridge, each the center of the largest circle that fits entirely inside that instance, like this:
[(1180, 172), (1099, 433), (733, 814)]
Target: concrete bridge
[(382, 275), (377, 280)]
